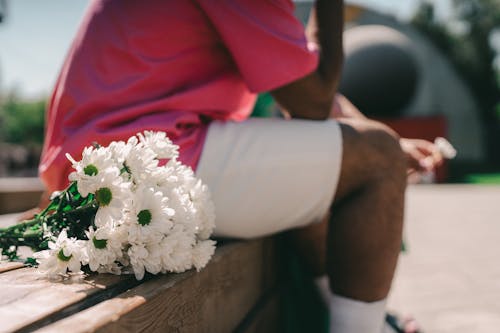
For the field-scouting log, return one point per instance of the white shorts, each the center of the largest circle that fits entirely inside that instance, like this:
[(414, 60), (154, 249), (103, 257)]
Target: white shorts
[(270, 175)]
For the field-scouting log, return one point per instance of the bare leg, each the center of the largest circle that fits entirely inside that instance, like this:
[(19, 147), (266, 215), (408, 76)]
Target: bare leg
[(364, 232), (311, 245)]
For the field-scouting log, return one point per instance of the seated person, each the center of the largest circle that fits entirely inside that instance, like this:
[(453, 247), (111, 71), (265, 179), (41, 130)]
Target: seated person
[(192, 69)]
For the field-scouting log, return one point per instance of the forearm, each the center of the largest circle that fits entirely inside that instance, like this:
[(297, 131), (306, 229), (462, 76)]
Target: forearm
[(343, 108), (325, 28), (311, 97)]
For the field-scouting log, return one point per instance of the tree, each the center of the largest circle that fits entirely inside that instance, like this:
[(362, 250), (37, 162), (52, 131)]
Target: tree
[(471, 53), (22, 122), (3, 10)]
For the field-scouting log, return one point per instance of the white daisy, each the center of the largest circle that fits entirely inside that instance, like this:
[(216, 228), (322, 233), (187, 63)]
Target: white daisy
[(202, 252), (149, 216), (119, 152), (160, 144), (191, 200), (103, 247), (90, 170), (113, 196), (184, 210), (144, 258), (139, 162), (204, 209), (63, 255), (113, 268), (176, 254), (165, 178)]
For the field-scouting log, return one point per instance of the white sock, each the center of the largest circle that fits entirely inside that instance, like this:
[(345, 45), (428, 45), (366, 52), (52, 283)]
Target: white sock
[(349, 315)]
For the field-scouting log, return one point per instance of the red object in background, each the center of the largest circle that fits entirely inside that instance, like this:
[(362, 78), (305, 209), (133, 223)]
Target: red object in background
[(428, 128)]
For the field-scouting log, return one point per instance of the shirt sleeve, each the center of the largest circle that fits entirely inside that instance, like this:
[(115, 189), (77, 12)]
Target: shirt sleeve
[(265, 39)]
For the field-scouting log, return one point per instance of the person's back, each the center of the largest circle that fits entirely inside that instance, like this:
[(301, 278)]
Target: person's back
[(161, 65), (133, 67)]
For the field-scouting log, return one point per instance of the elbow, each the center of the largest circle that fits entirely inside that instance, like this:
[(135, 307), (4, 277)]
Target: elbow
[(323, 103), (317, 110), (323, 110)]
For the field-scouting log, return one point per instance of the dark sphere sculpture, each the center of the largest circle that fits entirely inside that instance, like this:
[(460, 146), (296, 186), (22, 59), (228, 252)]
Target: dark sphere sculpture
[(380, 72)]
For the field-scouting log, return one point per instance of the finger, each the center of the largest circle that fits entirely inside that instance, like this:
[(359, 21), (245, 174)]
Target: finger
[(435, 156), (413, 177), (414, 156), (415, 161), (432, 153), (424, 146)]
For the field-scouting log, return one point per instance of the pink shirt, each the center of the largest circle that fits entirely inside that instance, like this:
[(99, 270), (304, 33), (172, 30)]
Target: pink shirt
[(170, 66)]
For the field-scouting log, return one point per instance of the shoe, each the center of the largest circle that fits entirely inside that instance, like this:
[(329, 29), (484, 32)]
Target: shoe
[(395, 324)]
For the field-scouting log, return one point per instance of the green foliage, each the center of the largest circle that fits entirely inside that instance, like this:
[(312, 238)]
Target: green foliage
[(470, 52), (22, 122), (264, 107), (67, 210)]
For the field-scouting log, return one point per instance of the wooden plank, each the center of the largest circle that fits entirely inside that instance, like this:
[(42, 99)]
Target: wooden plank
[(28, 299), (213, 300), (21, 184), (18, 201), (269, 317), (8, 266), (19, 194), (266, 315), (8, 219)]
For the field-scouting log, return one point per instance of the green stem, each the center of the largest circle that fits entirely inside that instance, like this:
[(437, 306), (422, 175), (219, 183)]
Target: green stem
[(67, 211), (24, 225)]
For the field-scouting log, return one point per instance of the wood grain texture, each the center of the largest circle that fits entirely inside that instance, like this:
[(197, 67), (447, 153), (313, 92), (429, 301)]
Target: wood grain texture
[(19, 194), (213, 300), (9, 266), (28, 299), (268, 317)]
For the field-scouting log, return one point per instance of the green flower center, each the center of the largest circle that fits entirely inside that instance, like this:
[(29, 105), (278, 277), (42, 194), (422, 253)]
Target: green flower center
[(103, 196), (99, 243), (90, 170), (62, 257), (144, 217)]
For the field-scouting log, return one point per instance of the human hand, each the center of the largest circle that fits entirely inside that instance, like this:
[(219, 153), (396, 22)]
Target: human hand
[(422, 155)]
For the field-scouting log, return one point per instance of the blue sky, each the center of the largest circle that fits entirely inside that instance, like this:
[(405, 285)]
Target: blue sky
[(36, 35), (33, 42)]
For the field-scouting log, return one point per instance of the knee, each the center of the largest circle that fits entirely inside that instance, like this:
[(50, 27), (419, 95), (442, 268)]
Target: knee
[(385, 147), (380, 149)]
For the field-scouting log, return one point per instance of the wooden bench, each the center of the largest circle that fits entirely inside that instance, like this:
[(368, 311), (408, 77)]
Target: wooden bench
[(19, 194), (240, 289), (246, 287), (237, 291)]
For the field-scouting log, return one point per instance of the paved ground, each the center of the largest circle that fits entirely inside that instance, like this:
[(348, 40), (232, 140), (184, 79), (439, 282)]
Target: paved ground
[(450, 278)]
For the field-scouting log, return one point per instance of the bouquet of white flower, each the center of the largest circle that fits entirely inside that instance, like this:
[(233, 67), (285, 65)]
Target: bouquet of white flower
[(122, 211)]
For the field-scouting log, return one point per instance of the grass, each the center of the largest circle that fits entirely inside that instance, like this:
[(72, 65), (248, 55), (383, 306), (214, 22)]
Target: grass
[(488, 178)]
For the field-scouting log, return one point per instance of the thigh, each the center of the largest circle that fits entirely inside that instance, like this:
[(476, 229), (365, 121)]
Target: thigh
[(270, 175)]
